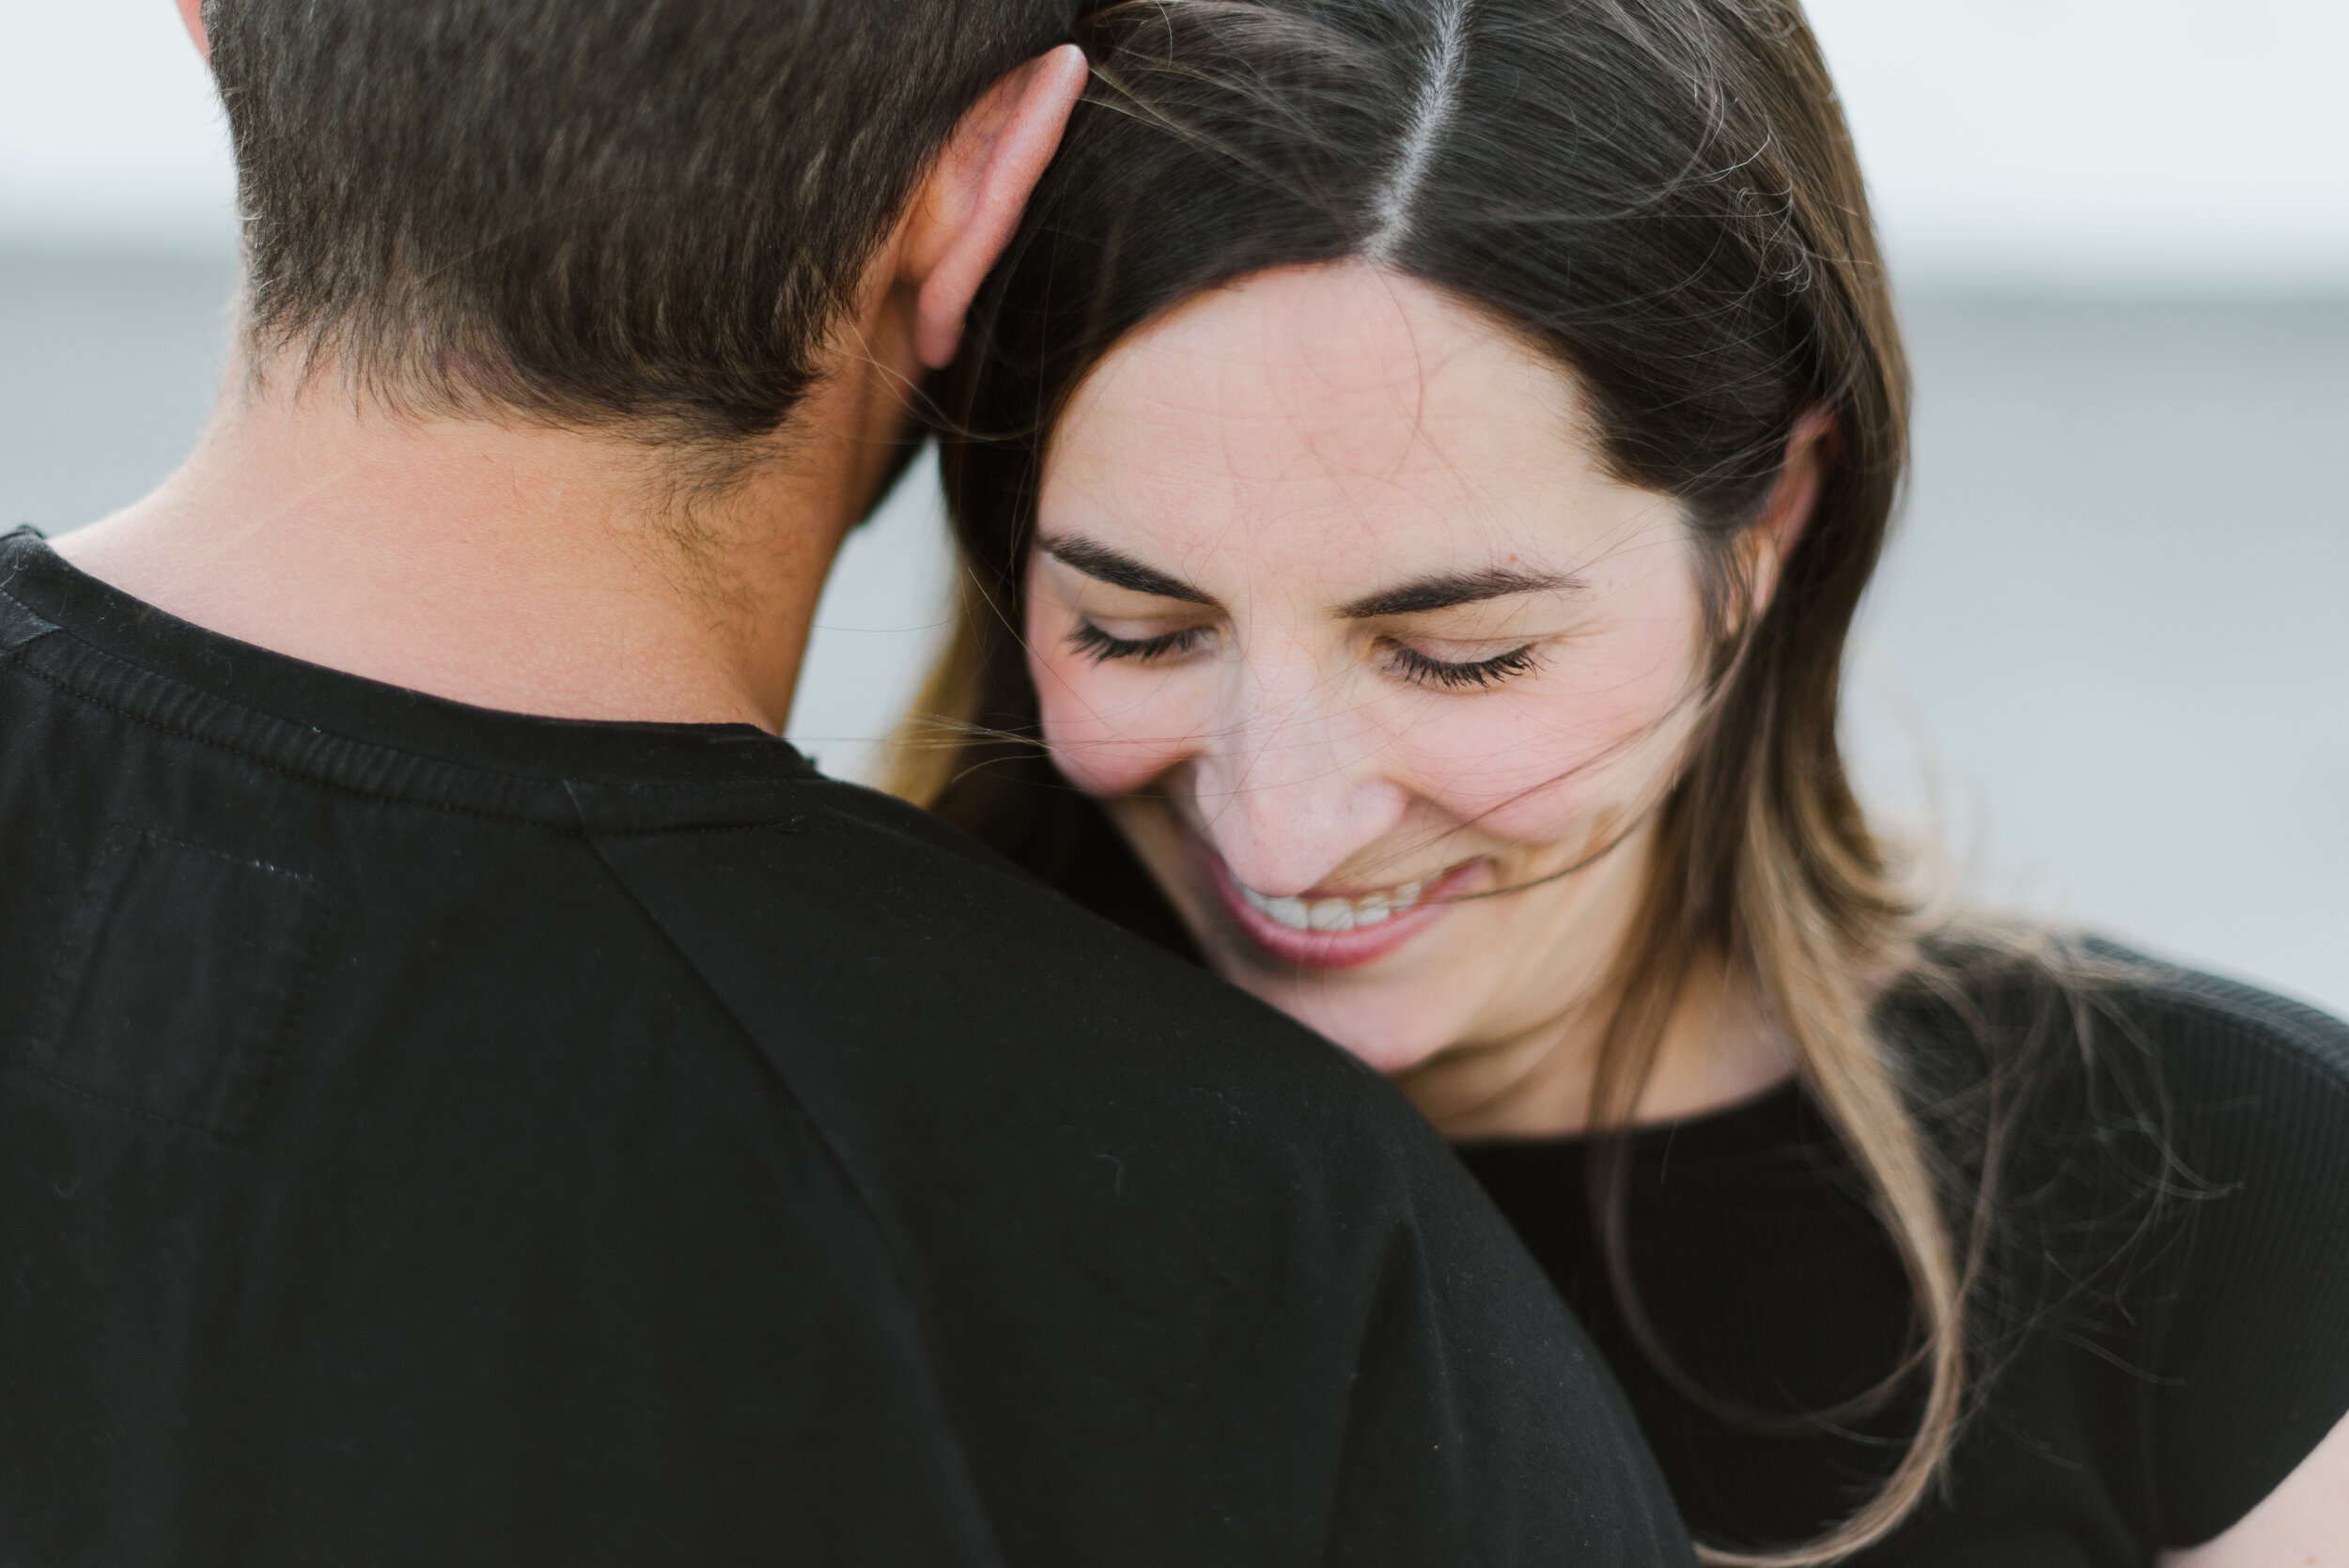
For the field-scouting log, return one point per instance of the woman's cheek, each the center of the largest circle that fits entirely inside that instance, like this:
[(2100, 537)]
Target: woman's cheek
[(1110, 730), (1539, 801), (1539, 768)]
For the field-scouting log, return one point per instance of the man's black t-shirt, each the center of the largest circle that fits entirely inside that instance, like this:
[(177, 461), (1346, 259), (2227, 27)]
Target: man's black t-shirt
[(437, 1136), (2165, 1332)]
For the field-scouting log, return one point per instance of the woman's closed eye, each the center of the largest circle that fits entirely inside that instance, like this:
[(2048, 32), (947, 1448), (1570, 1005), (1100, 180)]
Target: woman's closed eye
[(1099, 645), (1425, 669)]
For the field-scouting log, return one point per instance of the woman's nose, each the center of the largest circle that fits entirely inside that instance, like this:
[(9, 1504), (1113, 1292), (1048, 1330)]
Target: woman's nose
[(1288, 799)]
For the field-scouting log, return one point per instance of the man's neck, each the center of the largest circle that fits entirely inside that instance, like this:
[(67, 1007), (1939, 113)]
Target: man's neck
[(511, 566)]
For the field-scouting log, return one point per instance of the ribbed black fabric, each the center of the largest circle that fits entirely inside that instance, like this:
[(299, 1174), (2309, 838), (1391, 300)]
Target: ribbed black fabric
[(2166, 1338), (430, 1136)]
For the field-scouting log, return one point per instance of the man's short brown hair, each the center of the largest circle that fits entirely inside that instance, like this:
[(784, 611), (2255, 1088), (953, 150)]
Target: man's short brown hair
[(620, 213)]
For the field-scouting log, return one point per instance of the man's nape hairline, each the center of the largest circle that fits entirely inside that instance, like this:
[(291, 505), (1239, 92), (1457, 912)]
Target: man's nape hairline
[(594, 214)]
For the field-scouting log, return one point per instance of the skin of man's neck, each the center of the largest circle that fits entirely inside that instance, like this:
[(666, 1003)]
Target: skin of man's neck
[(565, 572), (558, 573)]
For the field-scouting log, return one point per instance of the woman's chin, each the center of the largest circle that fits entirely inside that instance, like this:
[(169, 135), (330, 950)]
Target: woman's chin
[(1372, 1029), (1390, 1058)]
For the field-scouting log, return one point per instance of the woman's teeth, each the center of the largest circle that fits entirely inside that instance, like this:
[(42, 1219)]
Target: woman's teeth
[(1333, 914)]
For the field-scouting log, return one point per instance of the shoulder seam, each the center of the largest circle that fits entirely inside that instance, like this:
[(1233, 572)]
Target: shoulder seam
[(748, 1040)]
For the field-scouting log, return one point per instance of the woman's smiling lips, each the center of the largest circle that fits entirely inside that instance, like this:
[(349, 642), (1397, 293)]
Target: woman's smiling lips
[(1331, 932)]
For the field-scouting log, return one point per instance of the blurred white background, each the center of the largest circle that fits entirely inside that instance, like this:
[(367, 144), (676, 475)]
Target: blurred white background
[(2108, 661)]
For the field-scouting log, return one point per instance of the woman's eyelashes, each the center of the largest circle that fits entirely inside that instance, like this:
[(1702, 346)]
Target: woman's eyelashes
[(1099, 647), (1426, 669)]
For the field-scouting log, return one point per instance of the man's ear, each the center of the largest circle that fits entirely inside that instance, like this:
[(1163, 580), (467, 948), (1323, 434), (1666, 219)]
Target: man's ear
[(969, 205), (192, 14), (1810, 453)]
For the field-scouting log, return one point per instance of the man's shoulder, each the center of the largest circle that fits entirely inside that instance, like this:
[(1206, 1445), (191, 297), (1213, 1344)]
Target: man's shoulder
[(1023, 1092), (1001, 1070), (656, 1086), (1133, 1204), (869, 910)]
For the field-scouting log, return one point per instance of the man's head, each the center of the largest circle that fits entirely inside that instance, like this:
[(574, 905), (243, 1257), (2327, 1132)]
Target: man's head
[(645, 215)]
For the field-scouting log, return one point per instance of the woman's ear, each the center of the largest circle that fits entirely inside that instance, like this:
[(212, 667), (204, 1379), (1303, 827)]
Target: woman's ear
[(1810, 453), (968, 207), (192, 15)]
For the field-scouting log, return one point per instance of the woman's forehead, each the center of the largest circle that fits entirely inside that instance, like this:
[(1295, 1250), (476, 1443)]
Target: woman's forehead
[(1354, 366), (1340, 419)]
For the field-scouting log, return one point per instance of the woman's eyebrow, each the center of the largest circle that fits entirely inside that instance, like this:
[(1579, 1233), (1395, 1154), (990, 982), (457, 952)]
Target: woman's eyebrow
[(1456, 588), (1120, 570)]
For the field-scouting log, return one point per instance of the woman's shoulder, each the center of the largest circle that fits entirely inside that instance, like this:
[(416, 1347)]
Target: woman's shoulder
[(2242, 1094), (2144, 1124), (2253, 1354), (2125, 1084), (2097, 1016), (2181, 1171), (2231, 1039)]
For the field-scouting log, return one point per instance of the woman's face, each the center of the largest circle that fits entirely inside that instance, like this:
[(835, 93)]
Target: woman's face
[(1380, 674)]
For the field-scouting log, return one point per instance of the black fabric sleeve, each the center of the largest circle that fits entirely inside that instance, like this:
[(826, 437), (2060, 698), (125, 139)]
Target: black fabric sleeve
[(1482, 1426), (1169, 1248), (2254, 1363)]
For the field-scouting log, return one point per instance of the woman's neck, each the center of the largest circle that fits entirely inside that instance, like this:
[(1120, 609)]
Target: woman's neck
[(1716, 1048)]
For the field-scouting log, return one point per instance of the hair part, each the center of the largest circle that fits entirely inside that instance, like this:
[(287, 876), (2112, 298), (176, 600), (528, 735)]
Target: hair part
[(1438, 103)]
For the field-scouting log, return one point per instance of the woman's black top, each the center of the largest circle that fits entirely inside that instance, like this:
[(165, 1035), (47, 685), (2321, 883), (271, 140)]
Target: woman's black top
[(2165, 1332)]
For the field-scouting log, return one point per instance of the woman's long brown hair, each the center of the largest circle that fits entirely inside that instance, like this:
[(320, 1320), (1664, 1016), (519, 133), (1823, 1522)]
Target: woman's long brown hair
[(1662, 194)]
